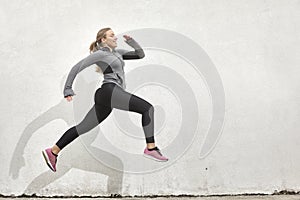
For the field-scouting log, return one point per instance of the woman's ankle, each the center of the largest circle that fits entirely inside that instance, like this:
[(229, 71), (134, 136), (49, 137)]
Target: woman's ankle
[(55, 149), (150, 145)]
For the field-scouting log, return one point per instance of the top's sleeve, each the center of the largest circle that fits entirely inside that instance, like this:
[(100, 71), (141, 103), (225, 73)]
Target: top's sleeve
[(138, 52), (81, 65)]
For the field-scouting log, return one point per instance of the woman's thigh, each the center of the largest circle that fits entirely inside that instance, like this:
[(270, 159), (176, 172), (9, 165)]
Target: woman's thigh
[(114, 96)]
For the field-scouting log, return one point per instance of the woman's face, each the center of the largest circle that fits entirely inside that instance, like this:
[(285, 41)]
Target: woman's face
[(110, 40)]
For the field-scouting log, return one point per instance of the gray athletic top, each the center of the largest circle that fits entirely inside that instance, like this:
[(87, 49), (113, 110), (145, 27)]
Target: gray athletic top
[(111, 64)]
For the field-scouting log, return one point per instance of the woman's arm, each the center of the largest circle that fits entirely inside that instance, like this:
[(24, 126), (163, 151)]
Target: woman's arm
[(88, 61), (138, 52)]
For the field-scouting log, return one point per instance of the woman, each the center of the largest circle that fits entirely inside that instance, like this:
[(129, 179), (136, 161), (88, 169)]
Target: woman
[(111, 95)]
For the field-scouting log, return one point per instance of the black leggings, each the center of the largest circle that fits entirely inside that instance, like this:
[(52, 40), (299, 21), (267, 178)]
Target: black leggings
[(106, 98)]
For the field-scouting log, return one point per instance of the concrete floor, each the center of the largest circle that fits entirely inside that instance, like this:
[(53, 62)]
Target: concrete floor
[(264, 197)]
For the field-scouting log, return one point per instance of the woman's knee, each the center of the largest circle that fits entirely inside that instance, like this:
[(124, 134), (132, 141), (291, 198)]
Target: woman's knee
[(150, 109), (148, 115)]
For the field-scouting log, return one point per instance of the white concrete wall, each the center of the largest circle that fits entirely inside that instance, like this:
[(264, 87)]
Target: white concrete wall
[(255, 48)]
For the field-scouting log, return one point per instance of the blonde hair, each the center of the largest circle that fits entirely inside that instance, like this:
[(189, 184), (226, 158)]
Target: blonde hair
[(95, 45)]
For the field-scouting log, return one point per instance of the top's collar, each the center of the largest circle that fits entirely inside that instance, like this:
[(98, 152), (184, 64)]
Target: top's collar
[(107, 49)]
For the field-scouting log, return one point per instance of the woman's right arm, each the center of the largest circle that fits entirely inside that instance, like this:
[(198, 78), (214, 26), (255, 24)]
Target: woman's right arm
[(138, 52), (88, 61)]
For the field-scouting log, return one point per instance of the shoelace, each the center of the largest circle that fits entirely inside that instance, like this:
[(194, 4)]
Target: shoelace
[(158, 151)]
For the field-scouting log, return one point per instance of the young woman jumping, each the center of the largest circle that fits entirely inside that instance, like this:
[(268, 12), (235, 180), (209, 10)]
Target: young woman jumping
[(110, 95)]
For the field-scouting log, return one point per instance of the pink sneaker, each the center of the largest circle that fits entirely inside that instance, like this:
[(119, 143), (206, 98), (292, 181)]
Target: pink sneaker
[(50, 159), (155, 155)]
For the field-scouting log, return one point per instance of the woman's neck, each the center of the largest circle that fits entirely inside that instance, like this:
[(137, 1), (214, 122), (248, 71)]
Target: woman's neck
[(105, 45)]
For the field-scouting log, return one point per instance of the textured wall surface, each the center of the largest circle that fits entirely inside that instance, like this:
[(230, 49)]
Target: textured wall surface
[(230, 90)]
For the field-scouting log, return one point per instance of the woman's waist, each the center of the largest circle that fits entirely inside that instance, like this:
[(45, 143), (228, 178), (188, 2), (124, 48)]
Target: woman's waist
[(116, 75), (110, 84)]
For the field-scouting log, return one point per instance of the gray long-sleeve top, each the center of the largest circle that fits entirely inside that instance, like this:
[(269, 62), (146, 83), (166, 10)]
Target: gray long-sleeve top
[(111, 64)]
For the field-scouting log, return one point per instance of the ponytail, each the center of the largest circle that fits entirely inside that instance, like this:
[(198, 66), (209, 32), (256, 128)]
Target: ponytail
[(93, 47)]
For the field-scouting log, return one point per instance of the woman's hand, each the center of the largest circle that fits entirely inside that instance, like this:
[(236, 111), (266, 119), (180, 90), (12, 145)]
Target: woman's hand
[(127, 37), (69, 98)]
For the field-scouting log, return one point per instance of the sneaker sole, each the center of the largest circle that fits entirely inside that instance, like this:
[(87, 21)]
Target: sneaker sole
[(47, 160), (152, 158)]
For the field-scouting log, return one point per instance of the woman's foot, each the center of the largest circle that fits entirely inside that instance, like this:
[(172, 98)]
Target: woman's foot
[(154, 154), (50, 159)]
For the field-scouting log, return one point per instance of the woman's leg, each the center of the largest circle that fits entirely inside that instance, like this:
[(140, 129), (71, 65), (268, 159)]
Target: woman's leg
[(118, 98), (94, 117), (123, 100), (139, 105)]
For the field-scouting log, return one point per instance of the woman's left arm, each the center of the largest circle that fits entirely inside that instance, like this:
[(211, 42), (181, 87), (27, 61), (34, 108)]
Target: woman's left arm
[(138, 52)]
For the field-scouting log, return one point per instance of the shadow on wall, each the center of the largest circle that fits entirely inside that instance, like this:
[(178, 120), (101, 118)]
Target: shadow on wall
[(69, 160)]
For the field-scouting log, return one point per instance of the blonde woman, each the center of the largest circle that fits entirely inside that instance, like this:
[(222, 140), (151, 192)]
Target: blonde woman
[(110, 95)]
